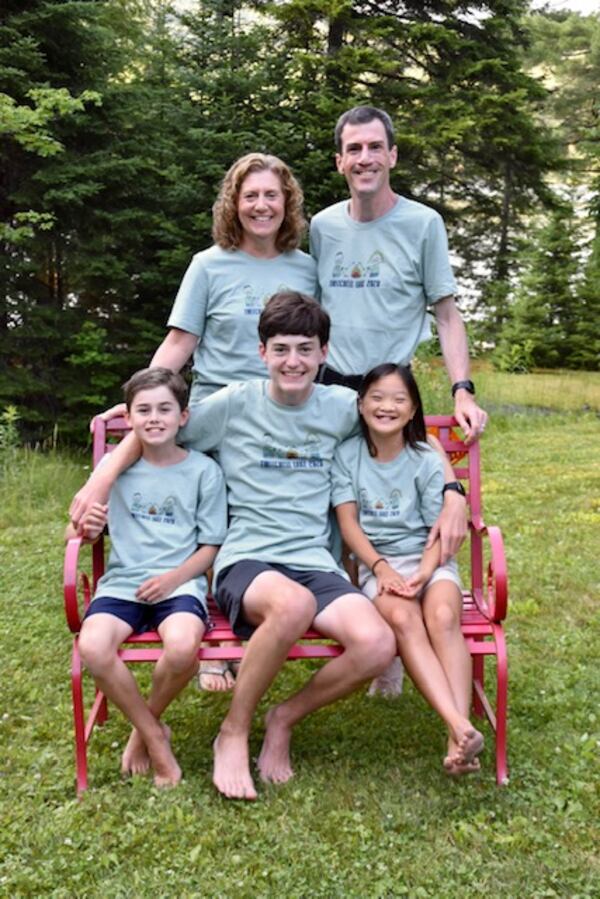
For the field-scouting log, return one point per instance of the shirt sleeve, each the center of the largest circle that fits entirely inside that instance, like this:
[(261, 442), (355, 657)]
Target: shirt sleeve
[(207, 424), (430, 483), (191, 303), (438, 279), (314, 240), (211, 510), (342, 486)]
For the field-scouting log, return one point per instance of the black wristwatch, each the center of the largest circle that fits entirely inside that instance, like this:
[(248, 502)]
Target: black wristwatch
[(463, 385), (456, 486)]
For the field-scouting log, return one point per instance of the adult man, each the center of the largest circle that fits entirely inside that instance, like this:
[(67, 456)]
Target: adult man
[(382, 260)]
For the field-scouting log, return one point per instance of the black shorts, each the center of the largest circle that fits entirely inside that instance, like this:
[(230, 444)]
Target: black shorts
[(326, 586), (146, 616)]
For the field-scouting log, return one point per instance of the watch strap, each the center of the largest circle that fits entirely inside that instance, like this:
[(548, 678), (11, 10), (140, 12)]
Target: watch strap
[(463, 385)]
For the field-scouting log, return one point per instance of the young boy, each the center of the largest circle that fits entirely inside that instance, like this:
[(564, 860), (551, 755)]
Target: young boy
[(167, 517)]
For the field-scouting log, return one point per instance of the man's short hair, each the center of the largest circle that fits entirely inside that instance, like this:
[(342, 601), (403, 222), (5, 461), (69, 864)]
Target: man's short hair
[(362, 115), (292, 312), (149, 378)]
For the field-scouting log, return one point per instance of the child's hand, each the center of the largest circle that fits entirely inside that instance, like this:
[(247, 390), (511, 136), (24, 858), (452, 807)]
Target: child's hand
[(414, 584), (93, 521), (157, 588), (389, 581)]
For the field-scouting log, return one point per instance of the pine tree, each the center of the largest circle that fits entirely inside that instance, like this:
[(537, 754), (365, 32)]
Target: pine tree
[(543, 322)]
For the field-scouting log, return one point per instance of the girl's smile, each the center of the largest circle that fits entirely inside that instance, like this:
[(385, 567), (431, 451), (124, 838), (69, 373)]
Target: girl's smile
[(386, 406)]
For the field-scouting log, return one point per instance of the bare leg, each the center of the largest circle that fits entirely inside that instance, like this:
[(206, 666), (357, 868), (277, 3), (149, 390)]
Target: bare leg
[(282, 611), (422, 664), (369, 646), (442, 606), (181, 634), (101, 636)]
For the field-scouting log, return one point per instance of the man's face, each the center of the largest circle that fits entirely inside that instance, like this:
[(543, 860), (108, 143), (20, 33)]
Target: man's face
[(366, 160), (292, 361)]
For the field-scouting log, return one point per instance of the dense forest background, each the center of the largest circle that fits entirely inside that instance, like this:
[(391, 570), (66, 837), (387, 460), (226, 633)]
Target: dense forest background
[(118, 119)]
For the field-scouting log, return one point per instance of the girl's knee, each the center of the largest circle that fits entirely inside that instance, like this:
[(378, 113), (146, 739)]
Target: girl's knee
[(405, 617), (443, 618)]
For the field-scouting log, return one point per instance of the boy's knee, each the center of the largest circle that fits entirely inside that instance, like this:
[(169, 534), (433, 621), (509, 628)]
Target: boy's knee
[(375, 647), (181, 652), (95, 652), (292, 609)]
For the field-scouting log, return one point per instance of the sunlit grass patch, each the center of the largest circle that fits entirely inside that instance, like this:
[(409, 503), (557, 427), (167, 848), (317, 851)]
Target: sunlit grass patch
[(559, 390)]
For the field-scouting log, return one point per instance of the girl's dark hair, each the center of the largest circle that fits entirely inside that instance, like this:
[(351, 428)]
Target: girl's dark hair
[(414, 432)]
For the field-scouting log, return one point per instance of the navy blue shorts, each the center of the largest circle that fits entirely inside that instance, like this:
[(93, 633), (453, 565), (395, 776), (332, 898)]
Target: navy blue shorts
[(235, 580), (146, 616)]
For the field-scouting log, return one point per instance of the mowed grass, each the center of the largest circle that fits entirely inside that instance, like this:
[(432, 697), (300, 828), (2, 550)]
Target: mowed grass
[(556, 390), (370, 812)]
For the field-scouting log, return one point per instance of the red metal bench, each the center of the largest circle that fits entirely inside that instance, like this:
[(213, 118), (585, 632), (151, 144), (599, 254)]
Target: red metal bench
[(484, 606)]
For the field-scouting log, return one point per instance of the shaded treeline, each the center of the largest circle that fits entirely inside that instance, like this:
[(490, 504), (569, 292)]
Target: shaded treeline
[(119, 118)]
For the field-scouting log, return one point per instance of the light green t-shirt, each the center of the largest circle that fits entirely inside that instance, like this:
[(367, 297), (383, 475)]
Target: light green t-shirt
[(377, 280), (157, 518), (220, 299), (277, 463), (398, 501)]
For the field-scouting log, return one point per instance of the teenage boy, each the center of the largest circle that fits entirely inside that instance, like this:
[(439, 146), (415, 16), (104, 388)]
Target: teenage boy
[(382, 260), (167, 516)]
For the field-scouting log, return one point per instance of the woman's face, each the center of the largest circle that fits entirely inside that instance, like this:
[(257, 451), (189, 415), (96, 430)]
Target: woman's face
[(261, 207)]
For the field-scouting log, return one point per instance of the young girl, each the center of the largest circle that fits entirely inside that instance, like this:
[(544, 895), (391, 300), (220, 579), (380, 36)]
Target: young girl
[(387, 491)]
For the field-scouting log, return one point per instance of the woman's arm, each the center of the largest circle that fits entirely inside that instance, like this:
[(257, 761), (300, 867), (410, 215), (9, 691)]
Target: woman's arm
[(175, 350)]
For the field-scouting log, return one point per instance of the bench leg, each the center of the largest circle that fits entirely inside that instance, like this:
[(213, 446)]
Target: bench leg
[(79, 721), (102, 711), (478, 675), (501, 708)]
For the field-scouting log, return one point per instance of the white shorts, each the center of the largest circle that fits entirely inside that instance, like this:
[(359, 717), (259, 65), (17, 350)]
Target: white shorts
[(407, 565)]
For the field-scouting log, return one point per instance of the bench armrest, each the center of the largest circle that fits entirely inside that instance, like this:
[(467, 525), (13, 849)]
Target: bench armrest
[(493, 602), (71, 580)]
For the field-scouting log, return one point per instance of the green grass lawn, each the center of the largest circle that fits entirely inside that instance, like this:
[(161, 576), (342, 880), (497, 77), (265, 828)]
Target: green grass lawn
[(370, 812)]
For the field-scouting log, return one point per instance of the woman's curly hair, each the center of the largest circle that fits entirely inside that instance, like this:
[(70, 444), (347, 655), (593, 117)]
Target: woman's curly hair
[(227, 231)]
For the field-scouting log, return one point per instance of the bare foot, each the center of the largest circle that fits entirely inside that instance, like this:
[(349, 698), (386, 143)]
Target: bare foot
[(135, 758), (231, 770), (215, 677), (470, 745), (458, 769), (167, 772), (274, 762)]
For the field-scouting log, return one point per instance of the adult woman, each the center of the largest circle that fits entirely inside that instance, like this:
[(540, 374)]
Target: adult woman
[(257, 227), (258, 224)]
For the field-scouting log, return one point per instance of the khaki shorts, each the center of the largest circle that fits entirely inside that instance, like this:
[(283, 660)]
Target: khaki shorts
[(407, 565)]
